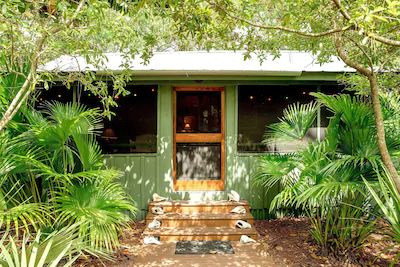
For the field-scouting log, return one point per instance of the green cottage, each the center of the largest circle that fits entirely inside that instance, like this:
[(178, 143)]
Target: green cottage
[(193, 125)]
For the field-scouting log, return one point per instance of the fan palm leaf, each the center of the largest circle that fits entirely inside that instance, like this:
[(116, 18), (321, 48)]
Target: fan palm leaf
[(296, 121), (100, 210)]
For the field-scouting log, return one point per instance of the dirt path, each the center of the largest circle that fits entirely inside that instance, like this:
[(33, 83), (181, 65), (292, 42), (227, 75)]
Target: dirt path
[(283, 242), (249, 255)]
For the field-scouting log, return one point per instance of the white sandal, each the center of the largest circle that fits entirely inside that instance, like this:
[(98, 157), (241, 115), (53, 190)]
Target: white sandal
[(244, 239), (157, 210), (155, 224), (147, 240), (242, 224), (158, 198), (233, 196), (239, 210)]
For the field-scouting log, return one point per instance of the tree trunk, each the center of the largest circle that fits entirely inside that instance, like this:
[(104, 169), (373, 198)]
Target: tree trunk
[(387, 161), (16, 103)]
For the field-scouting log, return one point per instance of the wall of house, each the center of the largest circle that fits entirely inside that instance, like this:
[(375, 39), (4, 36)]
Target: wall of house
[(145, 174)]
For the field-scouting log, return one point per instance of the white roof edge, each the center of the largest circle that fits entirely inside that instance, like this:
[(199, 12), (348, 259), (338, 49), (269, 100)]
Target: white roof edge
[(290, 63)]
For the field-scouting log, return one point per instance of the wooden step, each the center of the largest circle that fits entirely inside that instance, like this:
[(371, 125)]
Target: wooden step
[(199, 219), (200, 233), (185, 206)]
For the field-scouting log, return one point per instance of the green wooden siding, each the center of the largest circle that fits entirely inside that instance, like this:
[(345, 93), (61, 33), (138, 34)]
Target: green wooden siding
[(145, 174)]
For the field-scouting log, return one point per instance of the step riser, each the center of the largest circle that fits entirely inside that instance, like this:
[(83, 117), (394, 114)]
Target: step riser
[(212, 220), (203, 238), (200, 209), (201, 223)]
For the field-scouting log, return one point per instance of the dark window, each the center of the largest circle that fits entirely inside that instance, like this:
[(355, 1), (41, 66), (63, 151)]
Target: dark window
[(262, 105), (133, 128)]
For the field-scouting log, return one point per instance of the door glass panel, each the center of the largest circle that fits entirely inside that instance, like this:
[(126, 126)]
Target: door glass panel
[(198, 112), (198, 161)]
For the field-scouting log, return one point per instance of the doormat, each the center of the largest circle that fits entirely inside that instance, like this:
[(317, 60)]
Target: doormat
[(204, 247)]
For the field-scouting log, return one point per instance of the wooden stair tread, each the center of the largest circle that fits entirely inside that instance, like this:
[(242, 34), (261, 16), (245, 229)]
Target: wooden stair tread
[(200, 216), (188, 203), (203, 231)]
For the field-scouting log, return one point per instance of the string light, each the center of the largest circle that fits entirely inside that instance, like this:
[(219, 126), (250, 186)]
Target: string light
[(251, 97)]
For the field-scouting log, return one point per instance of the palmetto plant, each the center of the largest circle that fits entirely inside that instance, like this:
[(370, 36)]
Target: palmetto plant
[(388, 200), (80, 188), (59, 248), (325, 177), (98, 208), (18, 210), (51, 156), (296, 121)]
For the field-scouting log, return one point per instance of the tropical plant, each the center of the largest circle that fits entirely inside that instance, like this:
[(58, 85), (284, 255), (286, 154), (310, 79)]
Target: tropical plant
[(341, 230), (325, 179), (51, 156), (99, 208), (296, 121), (59, 248), (18, 210), (78, 185), (388, 200)]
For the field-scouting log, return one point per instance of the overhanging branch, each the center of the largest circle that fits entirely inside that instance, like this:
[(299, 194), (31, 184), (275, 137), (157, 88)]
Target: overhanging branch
[(373, 36), (281, 28)]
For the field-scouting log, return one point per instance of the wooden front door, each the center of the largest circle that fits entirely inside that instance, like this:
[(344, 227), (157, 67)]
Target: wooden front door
[(199, 151)]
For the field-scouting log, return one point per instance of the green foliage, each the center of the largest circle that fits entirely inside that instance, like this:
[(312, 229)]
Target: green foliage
[(53, 175), (98, 208), (327, 179), (388, 200), (16, 207), (267, 27), (342, 230), (59, 248), (296, 121)]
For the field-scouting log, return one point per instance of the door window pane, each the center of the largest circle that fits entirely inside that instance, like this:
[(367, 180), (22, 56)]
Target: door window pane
[(198, 161), (198, 112)]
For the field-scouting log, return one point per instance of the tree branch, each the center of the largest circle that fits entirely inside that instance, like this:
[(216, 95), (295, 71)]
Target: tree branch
[(341, 9), (343, 55), (371, 63), (30, 81), (383, 40), (281, 28), (374, 36), (376, 106)]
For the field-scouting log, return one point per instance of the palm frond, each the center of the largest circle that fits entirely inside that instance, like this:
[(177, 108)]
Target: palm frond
[(100, 210), (276, 169), (293, 126), (387, 197), (88, 152)]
